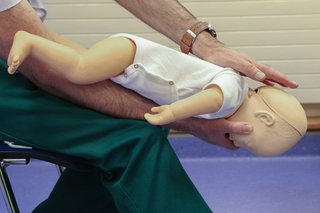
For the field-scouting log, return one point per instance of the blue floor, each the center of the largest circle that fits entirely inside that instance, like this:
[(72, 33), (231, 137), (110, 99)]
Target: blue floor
[(230, 181)]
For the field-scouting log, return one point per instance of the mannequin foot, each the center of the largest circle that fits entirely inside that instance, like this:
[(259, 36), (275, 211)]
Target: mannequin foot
[(13, 66), (19, 51)]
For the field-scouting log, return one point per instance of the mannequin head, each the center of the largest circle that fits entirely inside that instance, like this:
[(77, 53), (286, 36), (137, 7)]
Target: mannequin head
[(278, 121)]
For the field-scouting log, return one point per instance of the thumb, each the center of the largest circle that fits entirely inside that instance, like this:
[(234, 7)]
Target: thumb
[(152, 119), (156, 109)]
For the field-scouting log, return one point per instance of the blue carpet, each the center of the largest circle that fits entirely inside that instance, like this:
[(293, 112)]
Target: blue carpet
[(230, 181)]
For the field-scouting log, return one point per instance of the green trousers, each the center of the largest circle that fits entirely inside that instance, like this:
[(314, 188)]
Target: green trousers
[(136, 170)]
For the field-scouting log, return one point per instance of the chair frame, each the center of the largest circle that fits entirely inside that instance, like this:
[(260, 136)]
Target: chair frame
[(19, 155)]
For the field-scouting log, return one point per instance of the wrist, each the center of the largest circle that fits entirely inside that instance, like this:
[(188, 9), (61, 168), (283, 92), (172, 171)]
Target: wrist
[(183, 27), (192, 33), (206, 45)]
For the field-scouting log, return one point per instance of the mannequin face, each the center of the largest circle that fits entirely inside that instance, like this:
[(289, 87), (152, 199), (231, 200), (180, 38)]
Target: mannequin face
[(278, 121)]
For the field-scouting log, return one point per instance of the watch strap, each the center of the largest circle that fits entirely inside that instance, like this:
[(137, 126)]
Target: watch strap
[(191, 34)]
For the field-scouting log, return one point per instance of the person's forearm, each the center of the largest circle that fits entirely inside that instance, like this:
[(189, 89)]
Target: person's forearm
[(166, 16), (172, 19), (106, 97)]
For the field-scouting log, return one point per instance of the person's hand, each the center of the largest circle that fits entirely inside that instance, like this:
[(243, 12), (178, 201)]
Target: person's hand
[(213, 131), (163, 115), (214, 51)]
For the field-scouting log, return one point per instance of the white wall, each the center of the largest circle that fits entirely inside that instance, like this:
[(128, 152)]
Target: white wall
[(284, 34)]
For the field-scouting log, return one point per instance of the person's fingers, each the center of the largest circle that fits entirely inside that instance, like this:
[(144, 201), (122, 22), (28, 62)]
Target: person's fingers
[(233, 127), (252, 69), (243, 64), (237, 127), (249, 69), (268, 83), (216, 131), (225, 142), (276, 76)]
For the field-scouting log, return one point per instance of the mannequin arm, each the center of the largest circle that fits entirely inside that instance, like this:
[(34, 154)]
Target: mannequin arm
[(209, 100)]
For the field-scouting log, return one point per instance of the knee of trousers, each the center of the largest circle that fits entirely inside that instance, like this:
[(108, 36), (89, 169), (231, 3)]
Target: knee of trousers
[(139, 152)]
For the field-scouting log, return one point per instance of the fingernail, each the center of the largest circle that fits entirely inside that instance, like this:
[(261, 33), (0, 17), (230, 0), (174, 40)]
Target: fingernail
[(260, 75), (247, 128)]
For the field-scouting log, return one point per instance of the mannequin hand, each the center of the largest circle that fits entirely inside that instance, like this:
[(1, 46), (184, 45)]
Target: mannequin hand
[(214, 51), (163, 115)]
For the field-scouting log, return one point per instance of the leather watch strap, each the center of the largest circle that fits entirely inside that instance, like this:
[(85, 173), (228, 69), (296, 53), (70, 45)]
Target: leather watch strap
[(191, 34)]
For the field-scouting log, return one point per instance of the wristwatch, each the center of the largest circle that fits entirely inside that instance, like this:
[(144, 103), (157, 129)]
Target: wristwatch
[(191, 34)]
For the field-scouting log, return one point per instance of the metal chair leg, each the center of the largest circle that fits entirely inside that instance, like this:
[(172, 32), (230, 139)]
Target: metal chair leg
[(5, 185), (7, 191), (60, 169), (12, 154)]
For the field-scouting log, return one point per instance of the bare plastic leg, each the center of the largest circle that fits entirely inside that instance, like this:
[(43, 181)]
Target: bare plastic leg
[(19, 51), (102, 61)]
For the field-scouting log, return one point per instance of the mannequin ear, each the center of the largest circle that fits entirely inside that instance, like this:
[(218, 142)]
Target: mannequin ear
[(265, 116)]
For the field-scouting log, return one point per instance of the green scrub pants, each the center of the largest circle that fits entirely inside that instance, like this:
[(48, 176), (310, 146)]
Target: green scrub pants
[(136, 170)]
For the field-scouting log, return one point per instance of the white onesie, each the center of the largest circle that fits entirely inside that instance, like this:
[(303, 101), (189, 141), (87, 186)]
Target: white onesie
[(165, 75)]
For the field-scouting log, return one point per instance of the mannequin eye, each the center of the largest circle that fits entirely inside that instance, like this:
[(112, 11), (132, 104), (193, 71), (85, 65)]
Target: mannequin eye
[(256, 90)]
